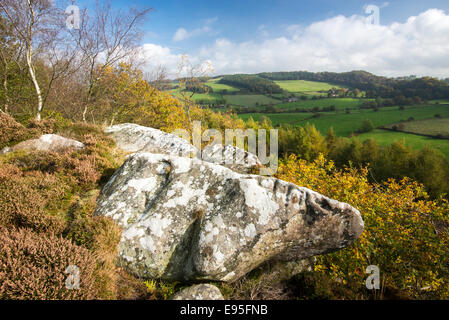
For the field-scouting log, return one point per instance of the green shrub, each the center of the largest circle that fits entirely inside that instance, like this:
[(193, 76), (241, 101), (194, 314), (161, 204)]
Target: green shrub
[(367, 126)]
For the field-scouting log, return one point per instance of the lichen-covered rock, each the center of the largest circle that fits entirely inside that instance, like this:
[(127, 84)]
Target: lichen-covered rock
[(199, 292), (47, 142), (231, 157), (134, 138), (186, 219), (278, 271)]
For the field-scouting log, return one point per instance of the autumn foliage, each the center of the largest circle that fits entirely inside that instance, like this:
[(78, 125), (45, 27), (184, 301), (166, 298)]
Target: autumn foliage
[(406, 234)]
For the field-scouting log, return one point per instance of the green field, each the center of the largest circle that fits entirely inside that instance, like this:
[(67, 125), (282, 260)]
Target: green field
[(249, 101), (219, 88), (384, 137), (439, 101), (310, 94), (277, 119), (431, 127), (208, 98), (305, 86), (346, 124), (339, 103)]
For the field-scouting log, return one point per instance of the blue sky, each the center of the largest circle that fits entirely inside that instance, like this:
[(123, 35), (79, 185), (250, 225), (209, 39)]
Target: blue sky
[(207, 30), (239, 20)]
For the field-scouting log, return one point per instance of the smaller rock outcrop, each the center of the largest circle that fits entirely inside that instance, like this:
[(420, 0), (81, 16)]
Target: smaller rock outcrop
[(134, 138), (47, 142), (199, 292), (231, 157)]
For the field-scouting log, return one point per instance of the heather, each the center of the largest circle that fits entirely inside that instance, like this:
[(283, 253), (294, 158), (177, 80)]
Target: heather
[(46, 217)]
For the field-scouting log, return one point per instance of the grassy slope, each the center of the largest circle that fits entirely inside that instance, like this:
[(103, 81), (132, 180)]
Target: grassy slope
[(218, 87), (249, 100), (339, 103), (416, 142), (210, 97), (345, 124), (432, 127), (277, 119), (305, 86)]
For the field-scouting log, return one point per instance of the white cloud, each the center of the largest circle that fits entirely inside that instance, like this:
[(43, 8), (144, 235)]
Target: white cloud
[(418, 46), (153, 56), (183, 34)]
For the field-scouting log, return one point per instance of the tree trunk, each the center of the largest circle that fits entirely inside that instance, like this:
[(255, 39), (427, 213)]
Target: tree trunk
[(29, 58), (34, 79), (5, 88), (89, 93), (84, 113)]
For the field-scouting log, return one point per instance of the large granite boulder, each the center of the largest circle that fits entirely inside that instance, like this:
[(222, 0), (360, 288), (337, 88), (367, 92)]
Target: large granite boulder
[(135, 138), (199, 292), (47, 142), (186, 219)]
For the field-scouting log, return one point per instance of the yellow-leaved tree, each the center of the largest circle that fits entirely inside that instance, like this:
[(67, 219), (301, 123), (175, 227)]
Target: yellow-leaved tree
[(123, 95), (406, 233)]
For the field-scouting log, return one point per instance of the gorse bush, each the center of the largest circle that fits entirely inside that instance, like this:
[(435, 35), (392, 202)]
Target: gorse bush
[(406, 233)]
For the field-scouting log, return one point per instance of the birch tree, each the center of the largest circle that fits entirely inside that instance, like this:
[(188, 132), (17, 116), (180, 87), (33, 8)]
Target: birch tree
[(105, 39), (30, 19)]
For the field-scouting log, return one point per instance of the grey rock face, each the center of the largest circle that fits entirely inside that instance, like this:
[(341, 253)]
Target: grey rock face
[(47, 142), (199, 292), (231, 157), (186, 219), (135, 138)]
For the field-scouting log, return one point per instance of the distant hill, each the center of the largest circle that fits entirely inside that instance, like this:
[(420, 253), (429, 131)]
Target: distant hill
[(252, 83), (426, 88)]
